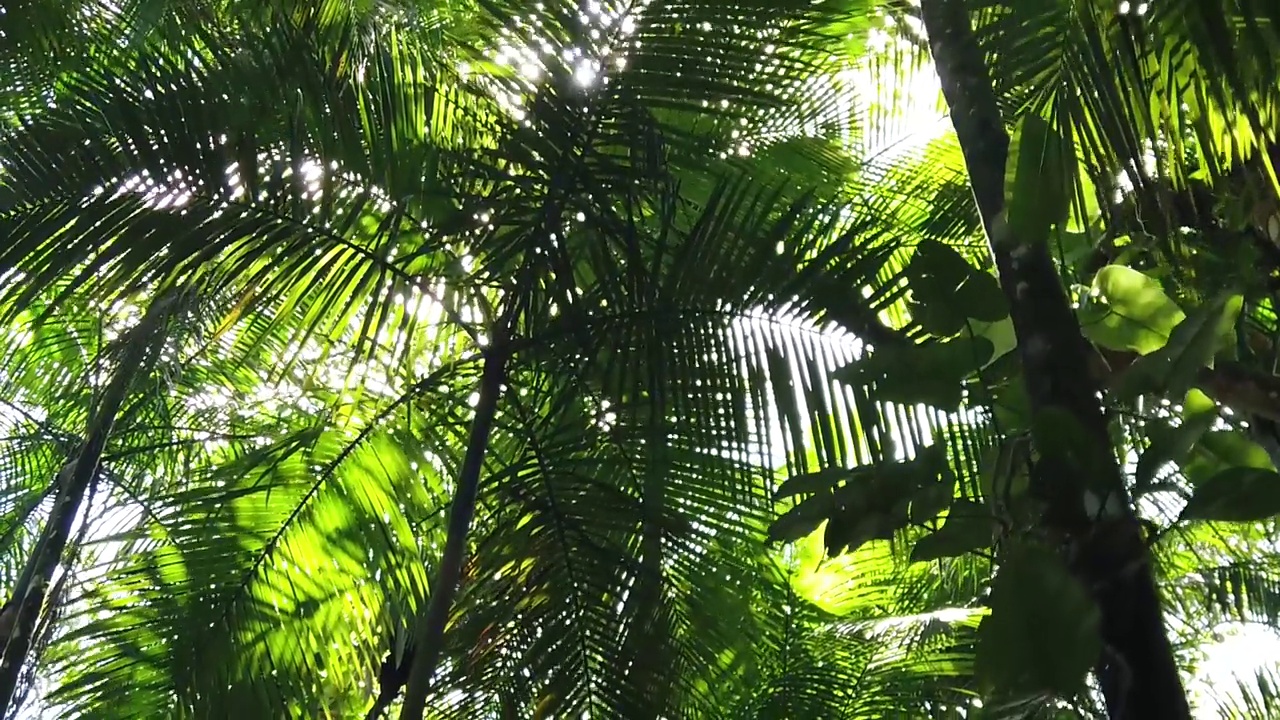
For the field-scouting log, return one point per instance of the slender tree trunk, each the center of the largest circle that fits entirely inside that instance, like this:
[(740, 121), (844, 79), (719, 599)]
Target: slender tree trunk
[(1137, 670), (645, 651), (429, 629), (73, 482)]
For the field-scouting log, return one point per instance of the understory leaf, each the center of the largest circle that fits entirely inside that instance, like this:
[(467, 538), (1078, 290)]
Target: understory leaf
[(929, 373), (947, 291), (1042, 635), (866, 503), (1130, 311), (1192, 345), (1219, 450), (969, 526), (809, 483), (1238, 494), (1172, 444), (1037, 180)]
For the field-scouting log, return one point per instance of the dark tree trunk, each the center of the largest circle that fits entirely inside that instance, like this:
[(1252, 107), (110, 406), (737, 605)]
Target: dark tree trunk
[(73, 482), (428, 635), (1137, 670)]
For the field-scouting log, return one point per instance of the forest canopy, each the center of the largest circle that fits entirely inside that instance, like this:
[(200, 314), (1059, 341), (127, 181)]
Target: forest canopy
[(647, 360)]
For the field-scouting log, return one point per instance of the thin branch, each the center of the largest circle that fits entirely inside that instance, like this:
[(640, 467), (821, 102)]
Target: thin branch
[(1243, 389)]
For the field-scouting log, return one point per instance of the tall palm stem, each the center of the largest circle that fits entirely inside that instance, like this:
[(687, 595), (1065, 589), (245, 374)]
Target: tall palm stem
[(429, 629), (141, 347), (1137, 670)]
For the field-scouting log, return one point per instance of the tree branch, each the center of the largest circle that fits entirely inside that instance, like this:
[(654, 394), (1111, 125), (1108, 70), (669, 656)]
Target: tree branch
[(1233, 384)]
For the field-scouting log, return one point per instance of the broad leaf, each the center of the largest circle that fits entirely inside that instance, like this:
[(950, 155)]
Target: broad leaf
[(1037, 180), (802, 519), (929, 373), (1220, 450), (1239, 494), (810, 483), (1131, 311), (1063, 440), (969, 526), (1172, 444), (848, 531), (1000, 334), (1035, 597), (878, 500), (947, 291), (1192, 346), (933, 497)]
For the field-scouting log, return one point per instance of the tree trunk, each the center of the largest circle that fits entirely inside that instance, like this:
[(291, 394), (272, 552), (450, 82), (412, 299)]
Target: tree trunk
[(429, 630), (1137, 670), (141, 348)]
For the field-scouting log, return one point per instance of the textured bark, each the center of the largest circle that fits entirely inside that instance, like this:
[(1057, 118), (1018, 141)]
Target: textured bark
[(1138, 674)]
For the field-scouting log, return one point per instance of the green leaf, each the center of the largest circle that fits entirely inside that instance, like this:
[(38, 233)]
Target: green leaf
[(1131, 311), (933, 497), (1192, 346), (1074, 247), (1082, 216), (810, 483), (1238, 494), (1042, 634), (981, 298), (1000, 334), (946, 290), (1012, 406), (802, 519), (876, 500), (1172, 444), (846, 532), (1037, 180), (929, 373), (969, 527), (1219, 450)]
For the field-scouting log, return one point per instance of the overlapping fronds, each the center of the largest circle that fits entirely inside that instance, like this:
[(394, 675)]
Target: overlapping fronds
[(698, 212)]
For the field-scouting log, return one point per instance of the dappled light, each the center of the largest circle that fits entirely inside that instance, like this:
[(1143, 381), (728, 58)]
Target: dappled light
[(633, 359)]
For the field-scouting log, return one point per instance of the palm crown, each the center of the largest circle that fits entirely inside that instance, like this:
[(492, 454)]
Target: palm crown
[(291, 276)]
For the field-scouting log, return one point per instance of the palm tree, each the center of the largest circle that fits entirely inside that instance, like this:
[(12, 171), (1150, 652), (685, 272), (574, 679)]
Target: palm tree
[(429, 280), (603, 285)]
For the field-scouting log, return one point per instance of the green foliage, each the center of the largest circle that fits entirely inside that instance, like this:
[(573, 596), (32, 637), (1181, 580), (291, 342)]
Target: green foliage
[(703, 215), (931, 373), (969, 527), (1238, 494), (1035, 596), (1129, 311), (1171, 443), (1192, 345), (866, 503), (947, 291), (1038, 180)]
